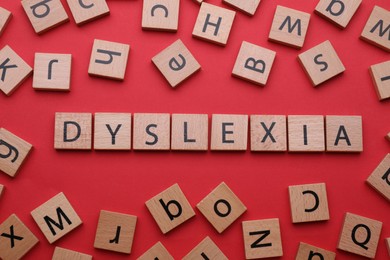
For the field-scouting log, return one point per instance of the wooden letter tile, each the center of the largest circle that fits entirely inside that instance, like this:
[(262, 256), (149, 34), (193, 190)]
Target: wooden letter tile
[(52, 71), (66, 254), (289, 27), (189, 132), (339, 12), (360, 235), (206, 249), (380, 177), (376, 31), (344, 134), (308, 203), (268, 133), (86, 11), (253, 63), (321, 63), (262, 238), (213, 24), (151, 132), (176, 63), (109, 59), (73, 131), (158, 251), (170, 208), (306, 134), (221, 207), (247, 6), (160, 15), (229, 132), (13, 151), (115, 232), (5, 17), (380, 74), (45, 14), (14, 70), (307, 251), (112, 131), (56, 217), (22, 240)]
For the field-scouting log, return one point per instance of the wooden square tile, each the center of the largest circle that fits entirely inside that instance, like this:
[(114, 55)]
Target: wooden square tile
[(190, 132), (176, 63), (344, 134), (158, 251), (151, 132), (268, 133), (338, 12), (13, 151), (376, 30), (112, 131), (380, 177), (247, 6), (115, 232), (321, 63), (160, 15), (170, 208), (206, 249), (213, 24), (73, 131), (229, 132), (86, 11), (307, 251), (5, 17), (66, 254), (360, 235), (380, 74), (56, 217)]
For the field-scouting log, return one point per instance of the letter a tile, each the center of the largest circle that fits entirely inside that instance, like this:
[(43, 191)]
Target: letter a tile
[(380, 74), (206, 249), (86, 11), (66, 254), (160, 15), (307, 251), (380, 177), (158, 251), (377, 29), (339, 12), (344, 134), (5, 17)]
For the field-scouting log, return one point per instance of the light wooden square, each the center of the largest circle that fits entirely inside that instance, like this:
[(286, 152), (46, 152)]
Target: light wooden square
[(176, 63), (86, 11), (52, 71), (360, 235), (229, 132), (338, 12), (376, 29), (73, 131), (308, 203), (344, 134), (213, 24), (380, 178), (170, 208), (108, 59), (115, 232), (206, 249), (262, 238), (268, 133), (221, 207), (56, 217), (289, 27), (158, 251), (66, 254), (23, 239), (306, 133), (307, 251), (5, 17), (14, 151), (388, 244), (190, 132), (247, 6), (253, 63), (45, 15), (15, 72), (380, 74), (160, 15), (321, 63), (112, 131), (151, 132)]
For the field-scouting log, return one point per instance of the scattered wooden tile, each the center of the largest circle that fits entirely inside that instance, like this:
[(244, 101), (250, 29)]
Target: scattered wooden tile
[(52, 71), (13, 151), (360, 235), (86, 11), (206, 249), (306, 134), (213, 24), (109, 59), (380, 74), (253, 63), (344, 134), (321, 63), (307, 251), (66, 254), (176, 63), (112, 131), (73, 131), (388, 244), (14, 70), (190, 132), (170, 208), (262, 238), (308, 203), (380, 177), (249, 6), (289, 27), (5, 17), (162, 15), (56, 217), (229, 132), (376, 31), (221, 207), (268, 133), (338, 12), (115, 232), (45, 15), (158, 251), (16, 239), (151, 132)]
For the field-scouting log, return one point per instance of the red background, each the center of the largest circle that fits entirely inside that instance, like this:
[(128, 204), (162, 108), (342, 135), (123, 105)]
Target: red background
[(123, 181)]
